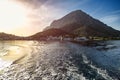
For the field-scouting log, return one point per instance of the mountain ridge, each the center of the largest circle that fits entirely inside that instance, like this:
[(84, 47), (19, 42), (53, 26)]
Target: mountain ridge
[(76, 23), (82, 24)]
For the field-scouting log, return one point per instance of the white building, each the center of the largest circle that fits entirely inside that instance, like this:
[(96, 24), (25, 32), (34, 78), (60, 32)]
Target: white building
[(80, 39)]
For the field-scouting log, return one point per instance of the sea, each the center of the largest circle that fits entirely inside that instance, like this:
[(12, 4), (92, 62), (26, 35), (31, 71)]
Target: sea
[(59, 60)]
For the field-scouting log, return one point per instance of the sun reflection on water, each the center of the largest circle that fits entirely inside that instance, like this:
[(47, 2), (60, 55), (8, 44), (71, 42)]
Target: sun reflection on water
[(13, 52)]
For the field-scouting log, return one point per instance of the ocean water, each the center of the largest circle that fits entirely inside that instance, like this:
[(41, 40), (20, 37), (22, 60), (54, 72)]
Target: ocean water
[(11, 51), (39, 60)]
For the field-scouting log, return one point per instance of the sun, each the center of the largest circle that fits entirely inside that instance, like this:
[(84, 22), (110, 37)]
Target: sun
[(12, 15)]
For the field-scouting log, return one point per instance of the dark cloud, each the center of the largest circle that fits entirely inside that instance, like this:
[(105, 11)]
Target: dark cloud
[(38, 3), (33, 3)]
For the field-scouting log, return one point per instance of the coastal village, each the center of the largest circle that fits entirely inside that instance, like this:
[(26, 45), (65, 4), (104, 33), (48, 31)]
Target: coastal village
[(67, 38)]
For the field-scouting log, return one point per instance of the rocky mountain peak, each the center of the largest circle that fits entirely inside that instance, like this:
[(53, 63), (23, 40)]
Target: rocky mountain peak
[(80, 23)]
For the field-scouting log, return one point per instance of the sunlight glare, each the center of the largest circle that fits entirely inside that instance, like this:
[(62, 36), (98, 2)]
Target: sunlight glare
[(12, 15)]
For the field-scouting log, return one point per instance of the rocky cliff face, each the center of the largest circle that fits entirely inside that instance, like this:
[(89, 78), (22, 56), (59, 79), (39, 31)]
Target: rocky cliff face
[(80, 23)]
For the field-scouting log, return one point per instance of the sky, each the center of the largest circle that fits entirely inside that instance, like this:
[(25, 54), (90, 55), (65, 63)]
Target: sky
[(27, 17)]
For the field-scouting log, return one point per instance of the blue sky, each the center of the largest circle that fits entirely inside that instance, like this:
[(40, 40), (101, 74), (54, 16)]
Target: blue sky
[(107, 11)]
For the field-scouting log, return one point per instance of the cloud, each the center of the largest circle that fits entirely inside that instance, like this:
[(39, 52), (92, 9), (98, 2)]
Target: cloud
[(43, 12), (112, 19), (115, 12), (32, 3), (54, 3), (40, 14)]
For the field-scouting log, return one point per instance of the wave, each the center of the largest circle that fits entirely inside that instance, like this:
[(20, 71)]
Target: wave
[(56, 60)]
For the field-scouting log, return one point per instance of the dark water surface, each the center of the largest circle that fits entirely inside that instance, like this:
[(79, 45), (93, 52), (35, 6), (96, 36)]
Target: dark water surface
[(35, 60)]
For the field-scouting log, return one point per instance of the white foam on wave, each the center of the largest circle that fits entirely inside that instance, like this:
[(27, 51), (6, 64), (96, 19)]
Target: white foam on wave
[(9, 59), (3, 52), (100, 71), (4, 64)]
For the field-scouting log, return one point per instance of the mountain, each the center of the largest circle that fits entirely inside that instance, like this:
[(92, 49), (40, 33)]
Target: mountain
[(5, 36), (50, 32), (81, 24)]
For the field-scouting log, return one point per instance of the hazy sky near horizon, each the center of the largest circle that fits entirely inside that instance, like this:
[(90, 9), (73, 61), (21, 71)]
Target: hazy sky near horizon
[(28, 17)]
